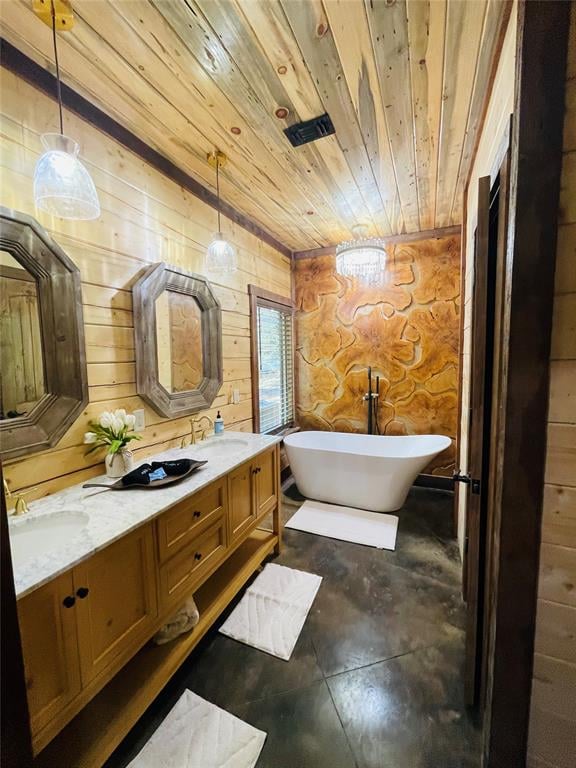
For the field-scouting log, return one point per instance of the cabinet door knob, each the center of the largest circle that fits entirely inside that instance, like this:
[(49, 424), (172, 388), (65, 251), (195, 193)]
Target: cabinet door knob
[(68, 601), (198, 556), (197, 513), (82, 592)]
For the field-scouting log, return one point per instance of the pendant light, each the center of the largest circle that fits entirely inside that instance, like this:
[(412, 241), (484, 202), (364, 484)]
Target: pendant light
[(363, 258), (62, 185), (221, 255)]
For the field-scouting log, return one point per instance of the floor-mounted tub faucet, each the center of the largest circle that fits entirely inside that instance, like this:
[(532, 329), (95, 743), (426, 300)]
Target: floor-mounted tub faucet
[(372, 399)]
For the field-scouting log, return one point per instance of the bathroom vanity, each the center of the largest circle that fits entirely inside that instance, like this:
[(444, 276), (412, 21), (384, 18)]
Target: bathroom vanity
[(88, 609)]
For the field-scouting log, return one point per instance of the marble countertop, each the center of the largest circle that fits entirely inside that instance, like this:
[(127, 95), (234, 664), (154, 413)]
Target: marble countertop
[(113, 514)]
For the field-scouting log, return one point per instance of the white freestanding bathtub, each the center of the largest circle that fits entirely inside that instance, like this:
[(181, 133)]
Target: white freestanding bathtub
[(365, 471)]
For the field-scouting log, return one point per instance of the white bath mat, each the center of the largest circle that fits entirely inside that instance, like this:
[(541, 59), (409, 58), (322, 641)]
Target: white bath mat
[(373, 529), (197, 734), (272, 613)]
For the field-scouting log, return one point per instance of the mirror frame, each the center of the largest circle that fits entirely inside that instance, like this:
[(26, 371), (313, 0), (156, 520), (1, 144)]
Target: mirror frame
[(62, 332), (158, 278)]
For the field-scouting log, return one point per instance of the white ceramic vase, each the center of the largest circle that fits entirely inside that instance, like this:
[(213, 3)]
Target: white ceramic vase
[(118, 464)]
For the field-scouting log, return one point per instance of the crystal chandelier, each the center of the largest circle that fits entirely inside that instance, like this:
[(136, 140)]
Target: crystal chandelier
[(62, 185), (221, 255), (363, 258)]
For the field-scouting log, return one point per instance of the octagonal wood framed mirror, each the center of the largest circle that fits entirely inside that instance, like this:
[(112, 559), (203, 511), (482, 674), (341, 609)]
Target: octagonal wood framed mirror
[(43, 381), (178, 330)]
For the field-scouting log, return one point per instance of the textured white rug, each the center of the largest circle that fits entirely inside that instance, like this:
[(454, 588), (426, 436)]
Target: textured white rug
[(373, 529), (197, 734), (273, 610)]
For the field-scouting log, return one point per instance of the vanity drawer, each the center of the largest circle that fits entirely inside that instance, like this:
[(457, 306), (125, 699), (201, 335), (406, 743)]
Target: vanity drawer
[(180, 575), (183, 523)]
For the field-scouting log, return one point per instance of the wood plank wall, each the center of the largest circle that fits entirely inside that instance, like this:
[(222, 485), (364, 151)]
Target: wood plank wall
[(552, 741), (146, 218), (491, 150)]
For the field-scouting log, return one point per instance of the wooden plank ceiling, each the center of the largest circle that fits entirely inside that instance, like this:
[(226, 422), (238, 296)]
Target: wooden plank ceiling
[(404, 82)]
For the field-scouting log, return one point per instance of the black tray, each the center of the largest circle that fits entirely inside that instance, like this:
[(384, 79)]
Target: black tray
[(170, 480)]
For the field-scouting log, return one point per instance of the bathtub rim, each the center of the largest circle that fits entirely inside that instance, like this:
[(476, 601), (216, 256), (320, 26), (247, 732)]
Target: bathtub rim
[(291, 441)]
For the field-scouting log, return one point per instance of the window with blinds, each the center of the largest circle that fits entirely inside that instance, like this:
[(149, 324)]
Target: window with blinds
[(275, 368)]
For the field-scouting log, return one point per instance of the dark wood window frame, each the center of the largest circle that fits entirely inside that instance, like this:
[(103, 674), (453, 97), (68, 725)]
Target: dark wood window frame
[(260, 297)]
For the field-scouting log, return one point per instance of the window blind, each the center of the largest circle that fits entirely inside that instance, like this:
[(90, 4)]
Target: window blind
[(275, 369)]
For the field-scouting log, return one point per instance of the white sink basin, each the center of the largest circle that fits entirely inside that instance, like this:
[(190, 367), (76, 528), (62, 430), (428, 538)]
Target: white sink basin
[(219, 446), (35, 536)]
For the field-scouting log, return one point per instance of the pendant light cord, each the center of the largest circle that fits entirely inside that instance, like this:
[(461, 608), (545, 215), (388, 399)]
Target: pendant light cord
[(58, 85), (218, 188)]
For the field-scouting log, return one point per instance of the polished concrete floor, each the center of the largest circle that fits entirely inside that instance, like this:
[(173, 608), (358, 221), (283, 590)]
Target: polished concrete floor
[(375, 680)]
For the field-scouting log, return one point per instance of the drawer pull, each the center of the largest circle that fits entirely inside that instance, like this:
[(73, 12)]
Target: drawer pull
[(197, 513), (69, 601), (82, 593), (198, 556)]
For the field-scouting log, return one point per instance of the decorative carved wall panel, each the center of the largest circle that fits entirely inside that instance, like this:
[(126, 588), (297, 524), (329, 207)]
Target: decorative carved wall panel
[(407, 330)]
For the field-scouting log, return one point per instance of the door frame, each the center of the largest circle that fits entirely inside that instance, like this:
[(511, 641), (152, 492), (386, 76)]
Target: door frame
[(476, 502), (15, 735), (521, 424), (489, 272)]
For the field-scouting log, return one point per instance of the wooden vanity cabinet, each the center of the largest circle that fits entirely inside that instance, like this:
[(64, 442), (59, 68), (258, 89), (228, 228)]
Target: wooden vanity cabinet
[(50, 650), (180, 526), (182, 573), (116, 602), (85, 633), (242, 500), (253, 492), (267, 475), (84, 624)]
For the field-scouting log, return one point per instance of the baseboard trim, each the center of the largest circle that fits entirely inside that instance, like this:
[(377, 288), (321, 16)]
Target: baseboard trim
[(435, 481)]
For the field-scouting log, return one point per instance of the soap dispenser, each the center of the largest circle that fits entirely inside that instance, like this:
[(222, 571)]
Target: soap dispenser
[(218, 424)]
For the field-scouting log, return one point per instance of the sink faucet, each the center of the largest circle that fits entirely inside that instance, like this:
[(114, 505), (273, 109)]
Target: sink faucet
[(20, 506), (210, 425), (193, 423)]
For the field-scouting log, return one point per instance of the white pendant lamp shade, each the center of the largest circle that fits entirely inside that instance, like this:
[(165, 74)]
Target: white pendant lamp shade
[(62, 185), (363, 258), (221, 255)]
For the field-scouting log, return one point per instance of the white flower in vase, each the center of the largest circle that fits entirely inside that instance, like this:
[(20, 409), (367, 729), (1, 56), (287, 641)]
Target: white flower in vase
[(114, 430), (105, 419)]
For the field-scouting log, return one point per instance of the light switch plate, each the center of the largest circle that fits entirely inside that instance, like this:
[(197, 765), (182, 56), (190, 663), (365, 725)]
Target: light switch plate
[(235, 395), (140, 420)]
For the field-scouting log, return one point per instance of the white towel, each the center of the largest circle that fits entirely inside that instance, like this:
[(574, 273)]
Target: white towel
[(182, 621)]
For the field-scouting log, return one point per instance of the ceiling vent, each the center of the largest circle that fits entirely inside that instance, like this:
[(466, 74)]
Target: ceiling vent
[(310, 130)]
